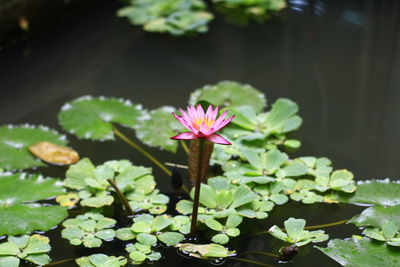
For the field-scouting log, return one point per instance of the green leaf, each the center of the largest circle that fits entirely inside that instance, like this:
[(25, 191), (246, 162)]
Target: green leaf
[(92, 118), (98, 202), (230, 94), (243, 195), (37, 244), (170, 238), (361, 252), (157, 127), (377, 192), (141, 227), (278, 233), (77, 173), (245, 117), (106, 235), (214, 224), (376, 216), (15, 141), (41, 259), (9, 261), (233, 221), (137, 256), (294, 227), (282, 118), (161, 222), (146, 239), (220, 239), (9, 248), (21, 188), (389, 229), (295, 168), (24, 219), (125, 234), (207, 196), (274, 159)]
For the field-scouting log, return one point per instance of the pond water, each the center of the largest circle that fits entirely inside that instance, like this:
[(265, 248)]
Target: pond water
[(339, 60)]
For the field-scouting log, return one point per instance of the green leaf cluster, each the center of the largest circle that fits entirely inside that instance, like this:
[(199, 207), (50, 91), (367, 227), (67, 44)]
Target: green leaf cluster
[(33, 249), (15, 141), (101, 260), (294, 233), (176, 17), (242, 11), (89, 229), (19, 211), (135, 182), (147, 230)]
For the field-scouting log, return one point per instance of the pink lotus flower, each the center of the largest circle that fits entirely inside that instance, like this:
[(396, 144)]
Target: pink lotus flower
[(202, 125)]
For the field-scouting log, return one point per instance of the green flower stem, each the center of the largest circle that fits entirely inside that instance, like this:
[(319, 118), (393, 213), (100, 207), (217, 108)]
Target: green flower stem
[(141, 150), (184, 146), (59, 262), (260, 253), (121, 197), (252, 262), (326, 225), (196, 199)]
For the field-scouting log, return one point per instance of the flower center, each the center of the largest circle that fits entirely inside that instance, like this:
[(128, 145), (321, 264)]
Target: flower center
[(198, 122)]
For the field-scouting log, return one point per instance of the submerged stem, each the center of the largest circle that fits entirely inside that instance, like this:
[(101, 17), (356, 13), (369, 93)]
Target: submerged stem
[(326, 225), (197, 190), (59, 262), (141, 150), (252, 262), (184, 146), (260, 253), (121, 197)]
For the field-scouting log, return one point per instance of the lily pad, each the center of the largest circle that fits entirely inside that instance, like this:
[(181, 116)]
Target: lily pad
[(157, 126), (92, 117), (376, 216), (357, 252), (376, 192), (230, 94), (19, 214), (15, 141)]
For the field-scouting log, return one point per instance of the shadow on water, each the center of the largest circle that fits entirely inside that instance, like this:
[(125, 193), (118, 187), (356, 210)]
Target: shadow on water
[(339, 60)]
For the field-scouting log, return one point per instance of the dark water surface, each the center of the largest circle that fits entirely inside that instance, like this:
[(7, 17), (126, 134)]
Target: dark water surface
[(339, 60)]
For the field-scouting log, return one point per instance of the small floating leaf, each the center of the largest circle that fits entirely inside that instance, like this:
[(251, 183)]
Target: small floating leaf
[(15, 141), (92, 117), (53, 153)]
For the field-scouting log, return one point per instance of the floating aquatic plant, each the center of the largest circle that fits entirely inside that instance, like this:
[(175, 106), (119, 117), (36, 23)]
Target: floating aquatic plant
[(249, 179), (33, 249)]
